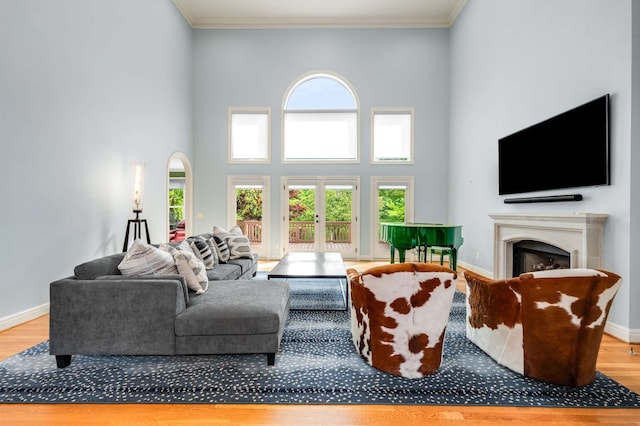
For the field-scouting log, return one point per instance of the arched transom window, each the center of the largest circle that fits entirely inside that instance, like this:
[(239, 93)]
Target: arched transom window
[(320, 121)]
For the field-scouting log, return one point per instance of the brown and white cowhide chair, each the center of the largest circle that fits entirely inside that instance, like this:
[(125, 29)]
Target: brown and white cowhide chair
[(399, 314), (547, 325)]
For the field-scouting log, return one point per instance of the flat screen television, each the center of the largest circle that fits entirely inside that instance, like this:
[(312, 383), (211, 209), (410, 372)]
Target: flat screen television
[(569, 150)]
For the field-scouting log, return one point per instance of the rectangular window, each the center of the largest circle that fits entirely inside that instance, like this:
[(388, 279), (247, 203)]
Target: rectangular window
[(320, 136), (392, 134), (249, 135)]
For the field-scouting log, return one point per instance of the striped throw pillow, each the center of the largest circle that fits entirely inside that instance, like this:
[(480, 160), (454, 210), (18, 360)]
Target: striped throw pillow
[(145, 259), (202, 249), (221, 248)]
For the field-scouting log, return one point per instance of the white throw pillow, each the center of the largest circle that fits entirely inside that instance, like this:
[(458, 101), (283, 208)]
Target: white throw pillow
[(239, 246), (189, 266), (218, 231), (145, 259)]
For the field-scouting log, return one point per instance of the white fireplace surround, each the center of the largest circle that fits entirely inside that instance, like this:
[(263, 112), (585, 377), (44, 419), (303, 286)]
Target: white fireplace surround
[(580, 234)]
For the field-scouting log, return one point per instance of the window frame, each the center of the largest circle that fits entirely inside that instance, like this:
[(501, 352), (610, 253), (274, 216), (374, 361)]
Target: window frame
[(285, 111), (380, 111), (248, 111)]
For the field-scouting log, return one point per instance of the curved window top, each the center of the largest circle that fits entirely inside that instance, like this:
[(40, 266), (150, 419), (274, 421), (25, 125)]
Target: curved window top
[(320, 92)]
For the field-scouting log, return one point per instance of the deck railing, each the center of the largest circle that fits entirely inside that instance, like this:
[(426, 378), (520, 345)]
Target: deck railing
[(300, 232)]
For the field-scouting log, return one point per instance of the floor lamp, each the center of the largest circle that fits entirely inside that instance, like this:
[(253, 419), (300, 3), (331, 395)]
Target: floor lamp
[(138, 185)]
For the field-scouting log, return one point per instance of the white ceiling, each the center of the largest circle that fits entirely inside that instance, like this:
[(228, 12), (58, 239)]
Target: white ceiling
[(319, 13)]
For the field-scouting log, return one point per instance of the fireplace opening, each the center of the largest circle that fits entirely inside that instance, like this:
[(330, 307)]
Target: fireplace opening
[(531, 256)]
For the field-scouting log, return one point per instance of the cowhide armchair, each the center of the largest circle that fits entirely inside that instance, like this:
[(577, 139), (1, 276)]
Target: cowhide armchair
[(547, 325), (399, 314)]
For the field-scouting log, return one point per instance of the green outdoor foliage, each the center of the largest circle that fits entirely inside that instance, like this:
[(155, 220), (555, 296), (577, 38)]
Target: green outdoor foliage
[(249, 204), (176, 200), (338, 203), (302, 205), (391, 205)]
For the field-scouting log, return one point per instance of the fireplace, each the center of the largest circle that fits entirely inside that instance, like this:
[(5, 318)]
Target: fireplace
[(576, 235), (532, 256)]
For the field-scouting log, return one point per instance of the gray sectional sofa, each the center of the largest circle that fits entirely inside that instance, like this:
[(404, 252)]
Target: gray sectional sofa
[(98, 311)]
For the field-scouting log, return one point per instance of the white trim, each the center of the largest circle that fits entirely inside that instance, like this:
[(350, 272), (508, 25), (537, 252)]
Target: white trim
[(309, 15), (24, 316), (622, 333), (469, 267), (285, 98)]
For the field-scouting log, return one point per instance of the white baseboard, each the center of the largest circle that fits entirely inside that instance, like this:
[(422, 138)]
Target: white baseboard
[(24, 316), (472, 268), (622, 333)]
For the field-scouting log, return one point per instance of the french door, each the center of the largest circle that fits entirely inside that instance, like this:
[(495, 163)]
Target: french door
[(248, 207), (391, 201), (320, 215)]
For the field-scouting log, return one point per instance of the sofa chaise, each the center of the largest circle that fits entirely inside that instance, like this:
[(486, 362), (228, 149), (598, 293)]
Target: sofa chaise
[(99, 311)]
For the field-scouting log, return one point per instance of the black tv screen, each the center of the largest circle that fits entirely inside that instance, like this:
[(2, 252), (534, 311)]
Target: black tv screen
[(566, 151)]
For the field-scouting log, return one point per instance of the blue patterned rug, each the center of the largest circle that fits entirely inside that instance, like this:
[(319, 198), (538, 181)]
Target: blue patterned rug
[(317, 365)]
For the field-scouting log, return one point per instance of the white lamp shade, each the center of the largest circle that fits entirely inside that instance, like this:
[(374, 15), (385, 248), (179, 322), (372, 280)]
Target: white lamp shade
[(138, 185)]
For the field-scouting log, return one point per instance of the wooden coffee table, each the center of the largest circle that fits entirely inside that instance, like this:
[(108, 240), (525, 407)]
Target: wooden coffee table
[(313, 265)]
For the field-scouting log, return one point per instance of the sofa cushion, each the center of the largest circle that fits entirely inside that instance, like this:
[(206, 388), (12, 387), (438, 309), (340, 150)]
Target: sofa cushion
[(142, 258), (224, 271), (245, 263), (107, 265), (236, 308)]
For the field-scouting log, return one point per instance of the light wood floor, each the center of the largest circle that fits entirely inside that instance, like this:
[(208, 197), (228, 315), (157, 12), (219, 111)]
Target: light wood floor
[(615, 360)]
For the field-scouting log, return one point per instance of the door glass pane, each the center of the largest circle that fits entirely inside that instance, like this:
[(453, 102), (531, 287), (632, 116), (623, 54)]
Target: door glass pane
[(391, 204), (249, 213), (302, 216), (338, 214), (391, 208)]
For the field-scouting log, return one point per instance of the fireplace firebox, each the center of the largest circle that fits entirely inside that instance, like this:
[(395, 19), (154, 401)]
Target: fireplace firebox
[(532, 256)]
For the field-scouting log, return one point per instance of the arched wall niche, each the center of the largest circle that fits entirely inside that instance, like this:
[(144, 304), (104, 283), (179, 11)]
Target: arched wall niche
[(179, 162)]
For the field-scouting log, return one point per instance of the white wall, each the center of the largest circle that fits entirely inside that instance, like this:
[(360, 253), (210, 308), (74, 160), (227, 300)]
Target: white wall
[(86, 87), (387, 68), (515, 63)]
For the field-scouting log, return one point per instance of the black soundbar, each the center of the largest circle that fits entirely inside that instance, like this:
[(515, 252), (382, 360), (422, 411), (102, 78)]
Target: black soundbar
[(547, 199)]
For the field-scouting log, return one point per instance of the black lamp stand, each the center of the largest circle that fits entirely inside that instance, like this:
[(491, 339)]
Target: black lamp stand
[(137, 229)]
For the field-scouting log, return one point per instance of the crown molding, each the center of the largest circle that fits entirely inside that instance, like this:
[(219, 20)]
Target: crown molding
[(284, 22)]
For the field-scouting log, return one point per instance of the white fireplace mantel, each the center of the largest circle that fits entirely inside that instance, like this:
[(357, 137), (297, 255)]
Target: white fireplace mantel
[(580, 234)]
